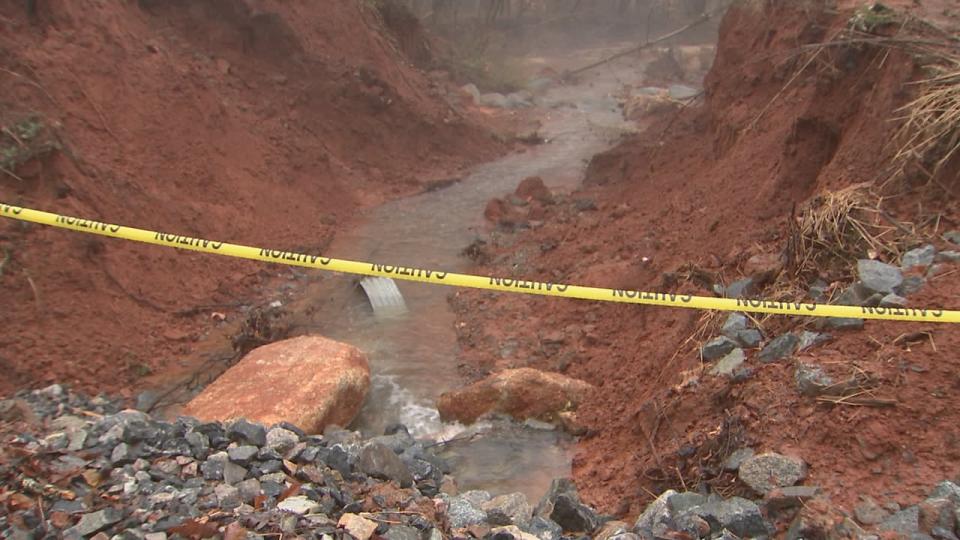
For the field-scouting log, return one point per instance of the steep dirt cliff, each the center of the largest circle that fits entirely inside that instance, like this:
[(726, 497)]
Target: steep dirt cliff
[(266, 123)]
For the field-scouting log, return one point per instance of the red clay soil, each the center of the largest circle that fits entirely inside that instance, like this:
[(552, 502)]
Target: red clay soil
[(697, 195), (264, 123)]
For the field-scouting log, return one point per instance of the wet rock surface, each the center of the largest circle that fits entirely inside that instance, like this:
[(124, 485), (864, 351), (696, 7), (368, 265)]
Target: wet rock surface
[(131, 476)]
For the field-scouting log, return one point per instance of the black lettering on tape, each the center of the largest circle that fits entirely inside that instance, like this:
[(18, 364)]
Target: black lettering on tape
[(9, 209), (936, 313)]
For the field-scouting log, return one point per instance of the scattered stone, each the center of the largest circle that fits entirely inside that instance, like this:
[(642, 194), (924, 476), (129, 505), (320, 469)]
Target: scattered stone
[(811, 380), (906, 521), (920, 257), (494, 99), (740, 516), (544, 529), (584, 205), (952, 236), (935, 513), (512, 509), (893, 301), (233, 473), (95, 522), (737, 327), (840, 323), (228, 497), (766, 472), (812, 339), (470, 90), (359, 527), (657, 513), (946, 490), (911, 285), (245, 432), (573, 516), (878, 277), (681, 503), (949, 256), (737, 289), (402, 532), (734, 460), (379, 461), (729, 363), (789, 497), (242, 454), (718, 348), (300, 505), (521, 393), (461, 513), (309, 381), (281, 439), (779, 348)]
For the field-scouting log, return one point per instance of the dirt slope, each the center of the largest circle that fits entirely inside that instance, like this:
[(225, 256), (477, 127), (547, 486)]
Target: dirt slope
[(686, 204), (266, 123)]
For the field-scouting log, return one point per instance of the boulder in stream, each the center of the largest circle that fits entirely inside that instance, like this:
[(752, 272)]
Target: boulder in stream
[(308, 381), (521, 393)]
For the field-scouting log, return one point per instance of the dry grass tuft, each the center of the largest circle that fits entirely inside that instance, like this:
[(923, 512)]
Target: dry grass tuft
[(836, 228), (929, 137)]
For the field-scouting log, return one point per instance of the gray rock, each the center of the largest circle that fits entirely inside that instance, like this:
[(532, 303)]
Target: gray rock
[(920, 257), (878, 277), (242, 454), (789, 497), (941, 533), (854, 295), (518, 100), (463, 513), (893, 301), (779, 348), (681, 503), (472, 91), (657, 513), (840, 323), (299, 505), (937, 513), (729, 363), (952, 236), (906, 521), (737, 289), (249, 490), (557, 487), (244, 432), (946, 490), (734, 460), (281, 440), (949, 256), (737, 327), (378, 461), (233, 473), (766, 472), (544, 529), (402, 532), (95, 522), (573, 516), (738, 515), (718, 348), (511, 509), (811, 339), (910, 285), (122, 454), (584, 205), (398, 441), (494, 99), (228, 497), (811, 380), (818, 291)]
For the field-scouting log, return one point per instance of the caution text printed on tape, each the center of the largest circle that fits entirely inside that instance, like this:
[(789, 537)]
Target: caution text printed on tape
[(472, 281)]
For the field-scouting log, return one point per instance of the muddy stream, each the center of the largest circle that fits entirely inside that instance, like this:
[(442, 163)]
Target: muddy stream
[(413, 357)]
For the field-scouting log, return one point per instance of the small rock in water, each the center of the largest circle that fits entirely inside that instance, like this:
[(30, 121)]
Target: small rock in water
[(878, 277), (920, 257), (779, 348), (718, 348), (766, 472)]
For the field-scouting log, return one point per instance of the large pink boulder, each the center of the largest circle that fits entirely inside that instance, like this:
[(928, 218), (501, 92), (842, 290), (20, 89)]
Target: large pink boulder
[(309, 381)]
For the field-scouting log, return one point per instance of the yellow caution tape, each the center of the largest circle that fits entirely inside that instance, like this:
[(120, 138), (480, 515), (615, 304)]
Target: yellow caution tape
[(476, 282)]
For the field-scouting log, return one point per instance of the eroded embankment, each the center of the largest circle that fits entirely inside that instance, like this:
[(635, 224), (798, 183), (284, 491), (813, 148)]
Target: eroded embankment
[(266, 124), (723, 191)]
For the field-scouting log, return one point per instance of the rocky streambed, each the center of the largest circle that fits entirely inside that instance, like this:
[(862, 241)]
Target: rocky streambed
[(78, 467)]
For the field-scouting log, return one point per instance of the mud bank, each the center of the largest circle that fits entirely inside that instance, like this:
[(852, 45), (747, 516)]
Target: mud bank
[(702, 199)]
